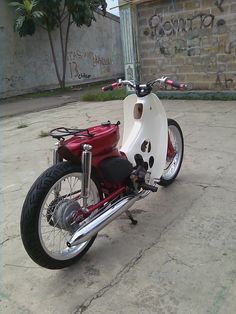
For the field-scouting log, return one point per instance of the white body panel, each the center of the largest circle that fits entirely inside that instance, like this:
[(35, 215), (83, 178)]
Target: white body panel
[(151, 127)]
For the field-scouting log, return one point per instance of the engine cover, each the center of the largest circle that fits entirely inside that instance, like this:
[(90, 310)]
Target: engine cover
[(116, 170)]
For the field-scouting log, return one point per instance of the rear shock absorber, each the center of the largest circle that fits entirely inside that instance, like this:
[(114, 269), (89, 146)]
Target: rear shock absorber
[(86, 169)]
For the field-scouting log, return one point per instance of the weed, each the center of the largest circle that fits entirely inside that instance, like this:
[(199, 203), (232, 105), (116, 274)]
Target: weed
[(197, 95), (43, 134), (118, 94), (22, 125)]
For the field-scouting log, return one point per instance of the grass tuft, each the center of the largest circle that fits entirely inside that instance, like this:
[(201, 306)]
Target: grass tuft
[(43, 134), (22, 125), (197, 95), (117, 94)]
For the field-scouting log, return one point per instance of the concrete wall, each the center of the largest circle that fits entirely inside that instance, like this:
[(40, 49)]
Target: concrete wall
[(26, 65), (193, 41)]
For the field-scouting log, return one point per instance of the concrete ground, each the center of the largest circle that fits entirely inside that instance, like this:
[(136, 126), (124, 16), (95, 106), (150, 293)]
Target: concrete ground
[(20, 105), (180, 258)]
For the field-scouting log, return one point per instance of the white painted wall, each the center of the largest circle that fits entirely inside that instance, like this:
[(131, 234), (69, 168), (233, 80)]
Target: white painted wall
[(26, 65)]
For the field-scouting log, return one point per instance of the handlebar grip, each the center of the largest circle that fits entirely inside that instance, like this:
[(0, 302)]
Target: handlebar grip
[(175, 84), (110, 87)]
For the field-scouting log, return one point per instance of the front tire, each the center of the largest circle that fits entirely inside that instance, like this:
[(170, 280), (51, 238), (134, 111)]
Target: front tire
[(43, 234), (174, 163)]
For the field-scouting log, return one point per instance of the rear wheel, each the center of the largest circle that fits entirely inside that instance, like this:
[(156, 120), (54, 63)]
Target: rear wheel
[(47, 216), (173, 160)]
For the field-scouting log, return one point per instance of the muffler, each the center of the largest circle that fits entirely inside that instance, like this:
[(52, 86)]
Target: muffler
[(87, 231)]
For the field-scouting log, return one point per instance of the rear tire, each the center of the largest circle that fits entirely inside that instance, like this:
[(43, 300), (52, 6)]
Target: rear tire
[(43, 239), (174, 164)]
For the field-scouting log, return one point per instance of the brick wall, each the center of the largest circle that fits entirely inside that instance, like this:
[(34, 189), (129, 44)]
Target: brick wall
[(192, 41)]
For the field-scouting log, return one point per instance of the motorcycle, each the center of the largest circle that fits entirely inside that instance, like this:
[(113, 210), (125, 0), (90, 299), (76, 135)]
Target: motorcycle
[(92, 182)]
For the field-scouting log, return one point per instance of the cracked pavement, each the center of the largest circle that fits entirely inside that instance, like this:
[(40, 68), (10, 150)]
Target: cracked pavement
[(180, 258)]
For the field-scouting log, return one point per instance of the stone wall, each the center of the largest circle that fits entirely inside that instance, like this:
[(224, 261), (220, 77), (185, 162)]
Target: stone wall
[(192, 41), (26, 65)]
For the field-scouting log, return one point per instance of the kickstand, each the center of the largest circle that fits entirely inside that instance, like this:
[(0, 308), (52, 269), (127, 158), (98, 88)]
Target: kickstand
[(130, 216)]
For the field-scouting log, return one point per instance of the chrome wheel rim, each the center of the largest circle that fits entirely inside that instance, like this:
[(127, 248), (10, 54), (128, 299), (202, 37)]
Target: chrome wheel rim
[(53, 239), (172, 166)]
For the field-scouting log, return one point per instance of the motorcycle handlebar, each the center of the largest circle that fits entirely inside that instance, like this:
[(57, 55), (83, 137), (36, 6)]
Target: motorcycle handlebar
[(175, 84), (118, 84), (110, 87), (163, 81)]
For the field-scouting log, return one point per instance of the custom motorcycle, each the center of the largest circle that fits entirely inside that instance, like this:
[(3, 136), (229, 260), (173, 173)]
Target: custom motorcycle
[(92, 182)]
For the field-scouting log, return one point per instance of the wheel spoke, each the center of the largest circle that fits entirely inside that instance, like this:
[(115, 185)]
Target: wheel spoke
[(52, 217)]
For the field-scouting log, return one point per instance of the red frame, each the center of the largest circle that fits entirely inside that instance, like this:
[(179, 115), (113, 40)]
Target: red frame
[(104, 140), (170, 148), (92, 208)]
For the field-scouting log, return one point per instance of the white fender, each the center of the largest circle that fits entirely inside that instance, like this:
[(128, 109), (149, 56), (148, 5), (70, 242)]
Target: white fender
[(151, 127)]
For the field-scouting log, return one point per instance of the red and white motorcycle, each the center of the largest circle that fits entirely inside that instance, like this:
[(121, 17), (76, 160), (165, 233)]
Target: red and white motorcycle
[(92, 182)]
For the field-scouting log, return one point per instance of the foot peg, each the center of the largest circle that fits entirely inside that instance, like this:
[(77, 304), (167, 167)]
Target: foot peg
[(149, 187), (130, 216), (140, 172)]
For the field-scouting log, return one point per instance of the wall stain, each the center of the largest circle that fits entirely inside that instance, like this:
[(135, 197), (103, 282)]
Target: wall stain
[(222, 81)]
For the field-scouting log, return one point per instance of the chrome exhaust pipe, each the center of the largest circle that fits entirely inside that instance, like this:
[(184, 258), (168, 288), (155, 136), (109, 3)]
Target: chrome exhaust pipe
[(87, 231)]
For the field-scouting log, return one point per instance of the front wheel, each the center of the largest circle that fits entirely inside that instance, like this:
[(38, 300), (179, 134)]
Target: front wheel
[(45, 227), (174, 155)]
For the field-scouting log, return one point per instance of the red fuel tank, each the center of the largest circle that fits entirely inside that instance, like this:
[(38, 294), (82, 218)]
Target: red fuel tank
[(103, 138)]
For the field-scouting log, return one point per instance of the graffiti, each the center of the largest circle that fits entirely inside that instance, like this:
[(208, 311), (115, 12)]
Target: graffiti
[(160, 30), (193, 51), (165, 50), (179, 46), (95, 59), (218, 4), (220, 23), (209, 64), (75, 73), (79, 57), (222, 81), (199, 43), (159, 27), (101, 61), (13, 80), (188, 43), (129, 73), (230, 46)]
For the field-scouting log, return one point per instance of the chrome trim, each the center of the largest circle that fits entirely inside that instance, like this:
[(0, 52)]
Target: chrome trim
[(86, 170), (87, 231), (55, 161), (55, 156)]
